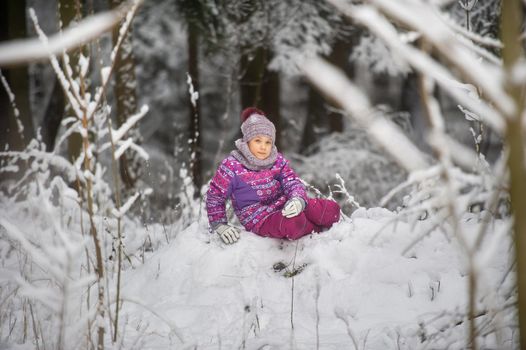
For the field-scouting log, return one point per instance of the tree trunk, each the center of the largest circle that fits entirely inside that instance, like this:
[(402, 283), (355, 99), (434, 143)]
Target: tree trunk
[(411, 101), (195, 109), (260, 87), (315, 120), (13, 26), (270, 93), (512, 54), (319, 115), (340, 58), (53, 116), (69, 11), (126, 100), (5, 106), (252, 69)]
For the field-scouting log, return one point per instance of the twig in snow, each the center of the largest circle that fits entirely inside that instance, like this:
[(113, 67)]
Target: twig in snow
[(492, 202), (117, 192), (166, 234), (436, 119), (309, 186), (318, 290), (292, 289), (173, 328), (365, 338), (35, 332), (436, 225), (341, 316), (343, 190)]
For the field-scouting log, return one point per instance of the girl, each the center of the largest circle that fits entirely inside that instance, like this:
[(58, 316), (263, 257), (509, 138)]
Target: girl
[(268, 197)]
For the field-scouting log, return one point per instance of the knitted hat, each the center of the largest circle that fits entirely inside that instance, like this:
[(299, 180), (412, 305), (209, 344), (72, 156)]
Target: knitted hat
[(254, 123)]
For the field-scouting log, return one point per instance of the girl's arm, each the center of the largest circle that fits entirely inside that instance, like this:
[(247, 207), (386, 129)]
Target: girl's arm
[(218, 194), (291, 183)]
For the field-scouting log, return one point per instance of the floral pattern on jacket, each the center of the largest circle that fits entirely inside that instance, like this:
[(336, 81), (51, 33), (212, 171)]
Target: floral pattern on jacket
[(254, 194)]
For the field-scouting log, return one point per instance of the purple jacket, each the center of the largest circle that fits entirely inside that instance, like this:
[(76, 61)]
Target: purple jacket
[(254, 194)]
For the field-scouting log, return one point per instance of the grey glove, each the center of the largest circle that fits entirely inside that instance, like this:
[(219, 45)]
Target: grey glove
[(229, 234), (293, 207)]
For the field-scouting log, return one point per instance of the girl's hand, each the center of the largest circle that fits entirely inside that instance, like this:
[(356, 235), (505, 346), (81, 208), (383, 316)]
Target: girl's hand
[(293, 207), (229, 234)]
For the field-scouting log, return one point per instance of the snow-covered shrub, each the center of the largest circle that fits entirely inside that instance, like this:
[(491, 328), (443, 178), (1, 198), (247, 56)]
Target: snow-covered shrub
[(300, 30), (369, 174), (373, 53), (74, 250), (424, 196), (189, 209), (47, 254), (43, 264)]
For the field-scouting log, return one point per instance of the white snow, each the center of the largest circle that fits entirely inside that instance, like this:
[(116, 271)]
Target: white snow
[(230, 296)]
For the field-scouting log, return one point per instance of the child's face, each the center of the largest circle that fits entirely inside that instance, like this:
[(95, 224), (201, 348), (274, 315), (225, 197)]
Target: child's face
[(260, 146)]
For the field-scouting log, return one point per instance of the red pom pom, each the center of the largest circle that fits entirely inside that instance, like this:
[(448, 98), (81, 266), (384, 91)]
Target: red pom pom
[(247, 112)]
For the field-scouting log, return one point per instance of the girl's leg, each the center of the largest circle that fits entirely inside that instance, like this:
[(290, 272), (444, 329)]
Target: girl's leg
[(278, 226), (322, 212)]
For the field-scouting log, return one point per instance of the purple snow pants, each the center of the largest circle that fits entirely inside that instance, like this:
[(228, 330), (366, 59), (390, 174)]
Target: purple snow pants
[(319, 214)]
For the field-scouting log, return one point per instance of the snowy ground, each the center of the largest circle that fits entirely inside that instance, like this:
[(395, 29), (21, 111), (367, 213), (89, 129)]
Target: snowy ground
[(357, 290)]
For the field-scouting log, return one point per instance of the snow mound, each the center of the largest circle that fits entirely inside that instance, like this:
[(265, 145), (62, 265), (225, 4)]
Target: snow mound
[(354, 286)]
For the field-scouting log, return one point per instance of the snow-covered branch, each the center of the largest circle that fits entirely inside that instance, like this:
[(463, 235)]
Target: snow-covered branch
[(119, 213), (474, 37), (117, 135), (421, 17), (423, 63), (16, 112), (74, 99), (194, 95), (50, 159), (31, 50)]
